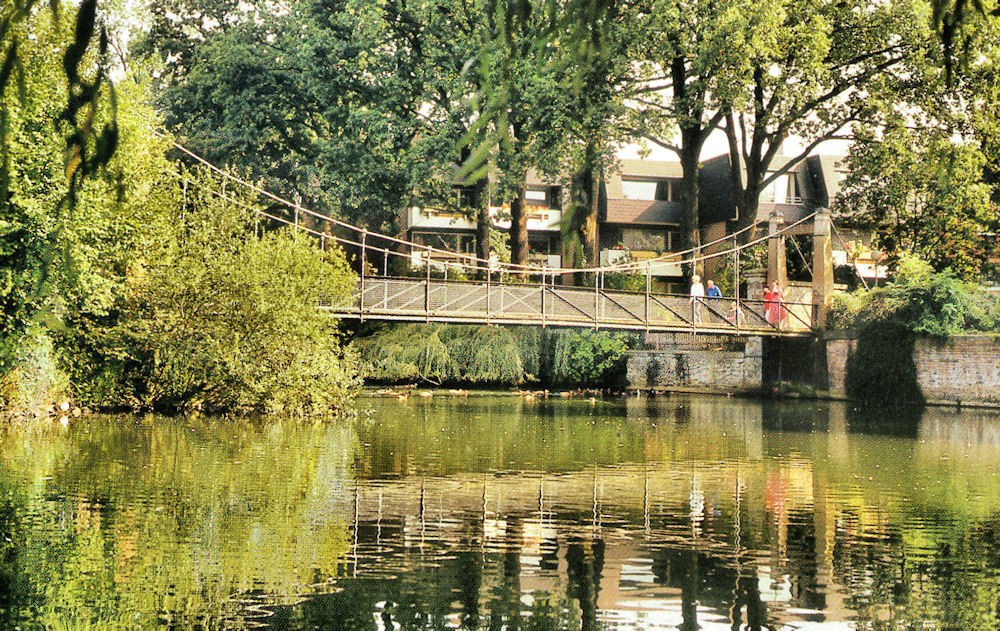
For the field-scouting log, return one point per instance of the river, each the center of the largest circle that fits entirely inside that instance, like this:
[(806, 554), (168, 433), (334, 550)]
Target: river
[(495, 512)]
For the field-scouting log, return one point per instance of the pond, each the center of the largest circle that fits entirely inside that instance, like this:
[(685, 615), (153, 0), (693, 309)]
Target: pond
[(495, 512)]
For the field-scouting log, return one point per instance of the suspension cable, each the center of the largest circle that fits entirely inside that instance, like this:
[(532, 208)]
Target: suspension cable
[(852, 255), (487, 263)]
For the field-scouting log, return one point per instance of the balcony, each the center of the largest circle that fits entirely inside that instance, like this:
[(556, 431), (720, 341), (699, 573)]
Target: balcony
[(655, 267)]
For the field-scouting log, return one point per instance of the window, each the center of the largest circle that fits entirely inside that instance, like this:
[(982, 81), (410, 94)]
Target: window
[(535, 197), (652, 190), (547, 196), (784, 189)]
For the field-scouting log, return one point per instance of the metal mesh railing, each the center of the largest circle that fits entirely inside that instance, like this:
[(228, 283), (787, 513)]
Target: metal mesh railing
[(441, 300)]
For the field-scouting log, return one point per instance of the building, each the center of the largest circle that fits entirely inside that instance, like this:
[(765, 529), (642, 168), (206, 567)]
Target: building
[(640, 214)]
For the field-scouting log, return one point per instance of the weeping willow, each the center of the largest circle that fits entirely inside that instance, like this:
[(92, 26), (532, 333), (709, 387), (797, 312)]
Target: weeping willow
[(442, 354)]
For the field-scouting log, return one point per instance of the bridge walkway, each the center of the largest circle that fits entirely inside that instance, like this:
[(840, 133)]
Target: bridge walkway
[(542, 304)]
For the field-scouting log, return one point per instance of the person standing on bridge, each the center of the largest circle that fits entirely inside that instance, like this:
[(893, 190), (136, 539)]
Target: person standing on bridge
[(697, 293), (774, 298), (711, 291)]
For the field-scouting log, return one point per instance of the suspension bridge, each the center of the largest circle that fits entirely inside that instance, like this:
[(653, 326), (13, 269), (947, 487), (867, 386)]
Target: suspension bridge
[(518, 294)]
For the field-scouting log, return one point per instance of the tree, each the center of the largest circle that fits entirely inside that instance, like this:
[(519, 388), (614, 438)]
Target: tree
[(216, 319), (64, 204), (519, 93), (922, 170), (814, 69), (593, 67), (918, 191), (686, 53), (310, 101)]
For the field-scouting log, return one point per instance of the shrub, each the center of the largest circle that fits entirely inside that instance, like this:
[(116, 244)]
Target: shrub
[(590, 358), (469, 354), (439, 354), (919, 302), (217, 319), (924, 302), (36, 381)]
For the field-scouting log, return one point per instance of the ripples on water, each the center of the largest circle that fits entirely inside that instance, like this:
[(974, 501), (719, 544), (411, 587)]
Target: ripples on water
[(492, 512)]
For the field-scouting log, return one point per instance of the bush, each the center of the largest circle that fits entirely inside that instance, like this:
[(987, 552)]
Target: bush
[(921, 301), (492, 355), (35, 382), (590, 358), (439, 354), (219, 320)]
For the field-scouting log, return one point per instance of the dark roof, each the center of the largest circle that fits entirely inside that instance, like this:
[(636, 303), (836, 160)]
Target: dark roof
[(826, 179), (632, 211)]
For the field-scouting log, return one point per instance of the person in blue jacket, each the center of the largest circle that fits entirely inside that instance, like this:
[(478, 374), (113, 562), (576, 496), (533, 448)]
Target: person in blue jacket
[(711, 291)]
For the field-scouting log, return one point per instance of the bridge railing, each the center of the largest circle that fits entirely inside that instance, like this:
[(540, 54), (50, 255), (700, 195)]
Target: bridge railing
[(487, 301)]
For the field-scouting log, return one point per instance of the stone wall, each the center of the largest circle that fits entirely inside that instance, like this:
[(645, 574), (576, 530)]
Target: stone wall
[(964, 369), (839, 346), (697, 361)]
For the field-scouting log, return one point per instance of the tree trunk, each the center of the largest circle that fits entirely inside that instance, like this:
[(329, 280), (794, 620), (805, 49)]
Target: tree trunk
[(519, 227), (747, 205), (690, 225), (483, 227)]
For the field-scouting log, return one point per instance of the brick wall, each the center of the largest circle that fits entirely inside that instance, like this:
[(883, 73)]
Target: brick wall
[(963, 369), (678, 360), (839, 346)]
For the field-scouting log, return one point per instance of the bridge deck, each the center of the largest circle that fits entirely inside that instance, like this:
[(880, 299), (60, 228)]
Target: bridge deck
[(479, 302)]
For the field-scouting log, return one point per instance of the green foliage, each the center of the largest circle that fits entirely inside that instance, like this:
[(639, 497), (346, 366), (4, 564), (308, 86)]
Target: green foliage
[(67, 230), (492, 355), (625, 281), (919, 302), (846, 308), (440, 354), (923, 302), (588, 358), (922, 192), (36, 380), (217, 319)]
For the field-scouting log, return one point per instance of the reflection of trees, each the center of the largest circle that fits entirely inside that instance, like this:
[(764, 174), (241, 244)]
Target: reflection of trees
[(934, 571), (187, 522), (169, 521), (13, 589)]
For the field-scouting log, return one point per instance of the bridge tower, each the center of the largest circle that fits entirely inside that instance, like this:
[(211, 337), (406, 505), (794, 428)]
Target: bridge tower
[(822, 267), (776, 266)]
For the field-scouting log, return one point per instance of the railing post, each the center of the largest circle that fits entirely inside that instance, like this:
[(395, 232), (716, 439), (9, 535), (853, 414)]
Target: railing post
[(645, 311), (543, 297), (361, 299), (385, 261), (597, 297), (427, 289), (489, 273)]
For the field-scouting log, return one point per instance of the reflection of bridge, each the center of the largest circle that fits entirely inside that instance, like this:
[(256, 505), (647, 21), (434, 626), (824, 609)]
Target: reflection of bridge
[(436, 300)]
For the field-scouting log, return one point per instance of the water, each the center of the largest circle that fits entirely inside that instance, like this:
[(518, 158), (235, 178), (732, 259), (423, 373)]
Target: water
[(499, 513)]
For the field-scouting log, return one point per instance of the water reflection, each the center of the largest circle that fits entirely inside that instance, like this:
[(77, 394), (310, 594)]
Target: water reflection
[(495, 512)]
